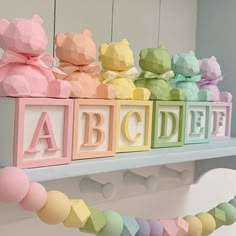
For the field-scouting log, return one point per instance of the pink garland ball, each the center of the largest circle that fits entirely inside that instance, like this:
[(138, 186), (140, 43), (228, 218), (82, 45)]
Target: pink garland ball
[(35, 199), (14, 185)]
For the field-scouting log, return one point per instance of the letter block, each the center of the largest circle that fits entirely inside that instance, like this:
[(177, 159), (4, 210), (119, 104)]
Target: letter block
[(35, 132), (198, 122), (133, 125), (94, 128), (168, 123), (221, 113)]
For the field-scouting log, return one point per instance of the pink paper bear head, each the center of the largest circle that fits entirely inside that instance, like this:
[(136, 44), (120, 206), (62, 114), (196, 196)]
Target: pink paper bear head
[(24, 36), (210, 68), (76, 48)]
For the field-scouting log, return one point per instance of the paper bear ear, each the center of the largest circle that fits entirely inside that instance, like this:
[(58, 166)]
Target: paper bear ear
[(175, 59), (59, 39), (143, 53), (125, 42), (191, 53), (37, 19), (162, 47), (87, 32), (102, 49), (199, 62), (213, 58), (3, 25)]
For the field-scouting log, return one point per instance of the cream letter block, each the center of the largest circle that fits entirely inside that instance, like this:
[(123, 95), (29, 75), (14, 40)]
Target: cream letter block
[(133, 125)]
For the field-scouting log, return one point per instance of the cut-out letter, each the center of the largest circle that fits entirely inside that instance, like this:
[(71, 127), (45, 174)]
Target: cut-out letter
[(89, 129), (197, 128), (218, 121), (43, 131), (125, 124), (164, 124)]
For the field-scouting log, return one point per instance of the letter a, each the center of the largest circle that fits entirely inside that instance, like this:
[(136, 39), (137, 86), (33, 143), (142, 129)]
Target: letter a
[(44, 124)]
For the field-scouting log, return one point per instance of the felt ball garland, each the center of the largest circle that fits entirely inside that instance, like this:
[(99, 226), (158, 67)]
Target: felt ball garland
[(55, 207)]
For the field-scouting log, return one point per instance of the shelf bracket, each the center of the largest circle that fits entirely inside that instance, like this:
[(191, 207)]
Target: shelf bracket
[(204, 166)]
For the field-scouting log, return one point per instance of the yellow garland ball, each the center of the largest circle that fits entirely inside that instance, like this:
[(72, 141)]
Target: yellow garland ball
[(56, 209), (195, 226), (208, 223)]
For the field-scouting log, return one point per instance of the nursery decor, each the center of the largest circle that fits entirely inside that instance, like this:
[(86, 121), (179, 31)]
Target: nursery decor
[(187, 74), (118, 70), (86, 109), (35, 198), (211, 75), (221, 101), (156, 74), (168, 124), (134, 125), (195, 225), (156, 228), (221, 113), (58, 209), (130, 226), (39, 131), (94, 128), (24, 69), (197, 122), (79, 214), (77, 53), (95, 222), (183, 226), (208, 223), (144, 227), (219, 216)]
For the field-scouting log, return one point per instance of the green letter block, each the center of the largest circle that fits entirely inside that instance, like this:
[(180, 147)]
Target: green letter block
[(168, 123)]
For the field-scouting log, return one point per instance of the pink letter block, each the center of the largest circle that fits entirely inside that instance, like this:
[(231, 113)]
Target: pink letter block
[(221, 120), (94, 128), (35, 132)]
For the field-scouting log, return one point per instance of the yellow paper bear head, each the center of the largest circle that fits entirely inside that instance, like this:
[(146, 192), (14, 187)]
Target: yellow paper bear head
[(116, 56)]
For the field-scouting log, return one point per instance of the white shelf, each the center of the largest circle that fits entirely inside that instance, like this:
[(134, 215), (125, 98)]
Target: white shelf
[(133, 160)]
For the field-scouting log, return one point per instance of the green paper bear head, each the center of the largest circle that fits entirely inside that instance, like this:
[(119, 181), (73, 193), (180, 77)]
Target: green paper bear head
[(156, 60), (185, 64)]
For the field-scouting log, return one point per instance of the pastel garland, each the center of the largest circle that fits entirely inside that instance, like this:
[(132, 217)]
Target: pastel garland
[(55, 207)]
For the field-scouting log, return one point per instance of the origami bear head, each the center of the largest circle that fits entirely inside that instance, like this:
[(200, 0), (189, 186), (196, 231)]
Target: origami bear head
[(156, 60), (210, 68), (116, 56), (185, 64), (25, 36), (76, 48)]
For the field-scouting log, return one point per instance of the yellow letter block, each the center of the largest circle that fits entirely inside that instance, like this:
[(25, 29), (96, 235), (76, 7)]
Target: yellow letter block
[(133, 125)]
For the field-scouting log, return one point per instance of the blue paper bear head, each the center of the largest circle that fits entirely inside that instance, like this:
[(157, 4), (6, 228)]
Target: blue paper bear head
[(185, 64)]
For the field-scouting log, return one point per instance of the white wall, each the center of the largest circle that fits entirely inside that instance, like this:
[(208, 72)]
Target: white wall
[(144, 24)]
